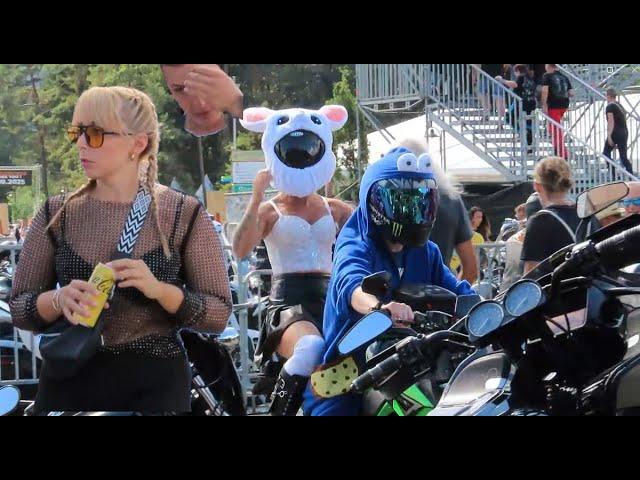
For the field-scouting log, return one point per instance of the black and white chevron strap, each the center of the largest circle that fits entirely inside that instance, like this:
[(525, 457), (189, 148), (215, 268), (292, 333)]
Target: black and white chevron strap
[(135, 221)]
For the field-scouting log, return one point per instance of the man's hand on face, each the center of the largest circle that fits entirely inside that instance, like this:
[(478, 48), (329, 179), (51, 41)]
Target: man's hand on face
[(215, 89), (205, 93)]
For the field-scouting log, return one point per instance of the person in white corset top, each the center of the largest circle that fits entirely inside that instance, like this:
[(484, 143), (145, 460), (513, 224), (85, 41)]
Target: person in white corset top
[(299, 228)]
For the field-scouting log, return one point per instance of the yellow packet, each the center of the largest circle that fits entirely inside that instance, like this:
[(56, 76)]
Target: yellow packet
[(103, 278)]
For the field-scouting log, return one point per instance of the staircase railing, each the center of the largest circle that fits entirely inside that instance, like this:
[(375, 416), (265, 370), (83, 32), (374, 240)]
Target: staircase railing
[(452, 102), (455, 106), (587, 118), (589, 167)]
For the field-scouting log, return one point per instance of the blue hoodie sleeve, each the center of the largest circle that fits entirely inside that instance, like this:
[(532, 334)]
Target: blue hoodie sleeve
[(352, 264), (442, 275), (342, 406)]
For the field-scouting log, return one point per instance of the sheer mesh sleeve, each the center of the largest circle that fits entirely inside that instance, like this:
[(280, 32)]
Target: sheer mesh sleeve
[(35, 272), (207, 297)]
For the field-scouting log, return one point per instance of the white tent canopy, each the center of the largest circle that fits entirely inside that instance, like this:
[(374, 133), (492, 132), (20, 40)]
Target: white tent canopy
[(461, 163)]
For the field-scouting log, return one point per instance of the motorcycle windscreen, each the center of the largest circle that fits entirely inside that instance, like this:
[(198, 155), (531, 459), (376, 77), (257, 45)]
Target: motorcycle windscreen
[(481, 376)]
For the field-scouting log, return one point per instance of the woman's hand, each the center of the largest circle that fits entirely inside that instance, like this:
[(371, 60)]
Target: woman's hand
[(77, 298), (401, 314), (261, 184), (136, 274)]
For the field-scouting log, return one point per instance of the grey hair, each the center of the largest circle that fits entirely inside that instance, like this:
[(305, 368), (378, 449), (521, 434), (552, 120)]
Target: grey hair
[(446, 184)]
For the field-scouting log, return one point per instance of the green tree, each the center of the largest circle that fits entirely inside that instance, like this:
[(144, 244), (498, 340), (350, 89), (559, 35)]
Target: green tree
[(37, 102), (21, 203), (286, 85), (346, 139)]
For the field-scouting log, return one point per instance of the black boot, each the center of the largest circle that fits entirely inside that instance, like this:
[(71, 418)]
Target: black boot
[(286, 399)]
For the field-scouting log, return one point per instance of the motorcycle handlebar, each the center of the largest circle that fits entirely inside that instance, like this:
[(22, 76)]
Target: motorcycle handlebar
[(377, 374), (373, 377), (620, 250)]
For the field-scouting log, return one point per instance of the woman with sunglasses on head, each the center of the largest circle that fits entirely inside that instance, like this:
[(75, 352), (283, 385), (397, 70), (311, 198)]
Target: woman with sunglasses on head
[(175, 276)]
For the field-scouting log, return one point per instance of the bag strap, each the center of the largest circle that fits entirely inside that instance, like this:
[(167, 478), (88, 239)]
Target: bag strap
[(131, 231), (566, 225), (133, 225)]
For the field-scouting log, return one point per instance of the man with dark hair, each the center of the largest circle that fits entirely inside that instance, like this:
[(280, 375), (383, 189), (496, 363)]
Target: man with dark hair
[(617, 132), (523, 86), (537, 71), (556, 98), (205, 93)]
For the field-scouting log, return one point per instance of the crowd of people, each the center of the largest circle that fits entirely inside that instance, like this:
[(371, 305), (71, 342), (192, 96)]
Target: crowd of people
[(546, 87), (549, 90)]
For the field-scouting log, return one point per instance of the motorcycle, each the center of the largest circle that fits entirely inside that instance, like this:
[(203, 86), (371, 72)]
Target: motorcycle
[(216, 389), (436, 309), (563, 341)]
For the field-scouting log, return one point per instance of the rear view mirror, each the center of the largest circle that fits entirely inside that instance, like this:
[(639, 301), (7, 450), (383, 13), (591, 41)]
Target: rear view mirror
[(364, 332), (9, 400), (599, 198), (378, 284)]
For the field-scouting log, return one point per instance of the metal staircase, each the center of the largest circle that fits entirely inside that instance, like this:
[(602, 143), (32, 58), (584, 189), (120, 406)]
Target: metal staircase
[(449, 98)]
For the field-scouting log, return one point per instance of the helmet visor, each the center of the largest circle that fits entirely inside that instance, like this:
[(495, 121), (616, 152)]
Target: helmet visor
[(406, 201)]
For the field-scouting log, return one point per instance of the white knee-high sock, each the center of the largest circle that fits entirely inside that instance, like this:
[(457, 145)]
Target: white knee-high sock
[(307, 354)]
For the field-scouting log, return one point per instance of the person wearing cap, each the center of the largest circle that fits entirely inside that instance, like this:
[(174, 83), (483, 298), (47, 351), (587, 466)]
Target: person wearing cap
[(514, 266), (533, 205)]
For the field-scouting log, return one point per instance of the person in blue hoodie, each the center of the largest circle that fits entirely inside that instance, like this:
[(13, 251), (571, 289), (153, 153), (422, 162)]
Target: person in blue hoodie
[(389, 231)]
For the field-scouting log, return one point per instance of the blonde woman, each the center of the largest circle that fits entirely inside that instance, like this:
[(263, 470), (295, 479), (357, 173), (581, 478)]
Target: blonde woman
[(175, 277), (553, 227)]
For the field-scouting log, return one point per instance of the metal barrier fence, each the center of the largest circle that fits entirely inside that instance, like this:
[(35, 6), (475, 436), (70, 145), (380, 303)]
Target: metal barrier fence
[(18, 362)]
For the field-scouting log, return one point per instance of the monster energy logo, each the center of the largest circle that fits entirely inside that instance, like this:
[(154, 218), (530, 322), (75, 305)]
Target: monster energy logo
[(396, 229)]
